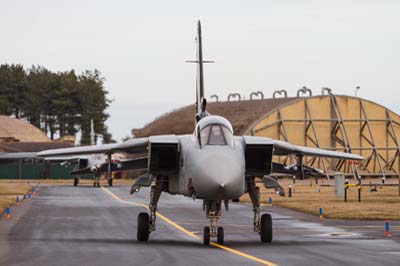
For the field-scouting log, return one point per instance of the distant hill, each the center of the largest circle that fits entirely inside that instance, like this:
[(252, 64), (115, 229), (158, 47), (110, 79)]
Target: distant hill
[(242, 114)]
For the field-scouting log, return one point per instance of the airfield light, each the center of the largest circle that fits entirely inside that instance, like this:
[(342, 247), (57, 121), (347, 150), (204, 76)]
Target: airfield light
[(8, 212)]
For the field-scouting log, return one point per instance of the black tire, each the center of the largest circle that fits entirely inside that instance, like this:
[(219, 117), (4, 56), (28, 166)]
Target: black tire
[(220, 235), (266, 228), (94, 184), (206, 235), (76, 182), (143, 226), (110, 182)]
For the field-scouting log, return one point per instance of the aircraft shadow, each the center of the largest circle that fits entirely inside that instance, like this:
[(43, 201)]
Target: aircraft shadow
[(182, 243), (274, 243), (155, 242)]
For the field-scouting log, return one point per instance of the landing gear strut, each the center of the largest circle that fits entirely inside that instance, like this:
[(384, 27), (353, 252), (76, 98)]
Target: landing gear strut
[(147, 222), (213, 211), (96, 182), (76, 181), (263, 224), (109, 173)]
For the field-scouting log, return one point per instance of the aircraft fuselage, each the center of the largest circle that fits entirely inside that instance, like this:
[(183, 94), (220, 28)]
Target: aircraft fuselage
[(211, 172)]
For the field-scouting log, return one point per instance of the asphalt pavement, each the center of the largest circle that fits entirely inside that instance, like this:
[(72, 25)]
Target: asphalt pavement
[(65, 225)]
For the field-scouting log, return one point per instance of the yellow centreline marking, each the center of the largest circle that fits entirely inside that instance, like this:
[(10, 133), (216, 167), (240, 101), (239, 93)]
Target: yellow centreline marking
[(180, 228)]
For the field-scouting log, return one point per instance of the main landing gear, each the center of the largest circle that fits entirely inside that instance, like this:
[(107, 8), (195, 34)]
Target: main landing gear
[(213, 211), (262, 225), (147, 221)]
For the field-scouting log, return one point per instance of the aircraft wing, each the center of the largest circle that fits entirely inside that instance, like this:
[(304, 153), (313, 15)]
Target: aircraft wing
[(65, 158), (138, 145), (123, 165), (17, 155), (285, 148)]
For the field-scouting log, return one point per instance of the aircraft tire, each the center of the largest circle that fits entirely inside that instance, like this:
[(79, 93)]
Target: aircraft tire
[(266, 228), (206, 235), (94, 184), (220, 235), (110, 182), (76, 182), (143, 226)]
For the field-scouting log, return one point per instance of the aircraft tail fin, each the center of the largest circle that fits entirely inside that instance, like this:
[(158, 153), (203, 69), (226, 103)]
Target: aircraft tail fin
[(201, 101)]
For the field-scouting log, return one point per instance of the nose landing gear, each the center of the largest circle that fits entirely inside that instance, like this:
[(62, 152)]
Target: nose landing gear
[(213, 211)]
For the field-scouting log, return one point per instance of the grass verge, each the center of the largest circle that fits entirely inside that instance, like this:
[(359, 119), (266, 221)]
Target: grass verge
[(9, 189), (380, 205)]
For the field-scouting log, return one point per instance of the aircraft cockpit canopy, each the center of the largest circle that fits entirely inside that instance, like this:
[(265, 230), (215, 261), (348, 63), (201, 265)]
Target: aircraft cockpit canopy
[(214, 130)]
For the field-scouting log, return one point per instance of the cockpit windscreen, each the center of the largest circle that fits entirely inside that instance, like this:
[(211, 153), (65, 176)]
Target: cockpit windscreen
[(216, 134)]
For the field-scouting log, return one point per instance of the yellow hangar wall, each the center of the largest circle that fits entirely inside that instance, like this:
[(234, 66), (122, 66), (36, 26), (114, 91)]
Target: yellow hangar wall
[(341, 123)]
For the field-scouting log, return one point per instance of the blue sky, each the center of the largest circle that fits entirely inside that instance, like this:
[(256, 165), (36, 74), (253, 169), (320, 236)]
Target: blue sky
[(141, 48)]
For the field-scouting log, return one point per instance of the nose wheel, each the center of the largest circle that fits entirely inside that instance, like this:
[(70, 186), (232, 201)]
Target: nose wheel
[(220, 235), (207, 235)]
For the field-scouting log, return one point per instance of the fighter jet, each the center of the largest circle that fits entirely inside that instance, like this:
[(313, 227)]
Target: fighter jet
[(212, 165), (93, 164)]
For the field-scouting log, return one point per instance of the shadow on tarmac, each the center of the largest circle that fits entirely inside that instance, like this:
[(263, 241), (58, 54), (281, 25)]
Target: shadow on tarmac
[(177, 243)]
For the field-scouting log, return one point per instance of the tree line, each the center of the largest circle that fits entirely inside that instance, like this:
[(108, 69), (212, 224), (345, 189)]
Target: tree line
[(59, 103)]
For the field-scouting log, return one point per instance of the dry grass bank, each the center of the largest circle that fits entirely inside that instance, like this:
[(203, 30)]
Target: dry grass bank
[(384, 204), (10, 189)]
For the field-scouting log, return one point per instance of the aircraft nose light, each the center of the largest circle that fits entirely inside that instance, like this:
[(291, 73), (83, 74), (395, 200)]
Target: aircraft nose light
[(222, 185)]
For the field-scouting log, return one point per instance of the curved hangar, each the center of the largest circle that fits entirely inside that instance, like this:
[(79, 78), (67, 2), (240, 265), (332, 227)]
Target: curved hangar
[(334, 122)]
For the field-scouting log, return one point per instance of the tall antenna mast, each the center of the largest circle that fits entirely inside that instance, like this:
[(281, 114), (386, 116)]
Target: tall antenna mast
[(92, 134)]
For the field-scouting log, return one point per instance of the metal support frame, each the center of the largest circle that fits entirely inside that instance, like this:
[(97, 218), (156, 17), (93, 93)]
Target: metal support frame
[(375, 156), (391, 132), (379, 161), (313, 138), (338, 126), (282, 133)]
